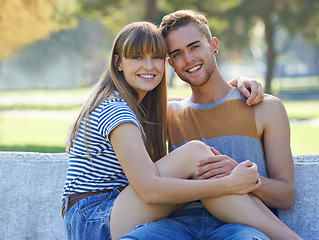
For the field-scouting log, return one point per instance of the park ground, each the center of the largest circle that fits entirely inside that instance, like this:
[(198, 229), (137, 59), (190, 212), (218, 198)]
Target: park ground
[(38, 120)]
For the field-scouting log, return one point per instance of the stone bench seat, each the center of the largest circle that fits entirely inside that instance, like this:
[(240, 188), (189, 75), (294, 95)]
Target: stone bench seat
[(32, 183)]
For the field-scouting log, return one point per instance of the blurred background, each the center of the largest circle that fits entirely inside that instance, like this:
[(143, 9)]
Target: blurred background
[(53, 51)]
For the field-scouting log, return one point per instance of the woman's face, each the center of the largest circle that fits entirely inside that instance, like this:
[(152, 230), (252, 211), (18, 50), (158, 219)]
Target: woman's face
[(143, 73)]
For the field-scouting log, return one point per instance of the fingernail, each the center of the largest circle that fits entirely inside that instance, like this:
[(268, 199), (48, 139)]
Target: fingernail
[(196, 172)]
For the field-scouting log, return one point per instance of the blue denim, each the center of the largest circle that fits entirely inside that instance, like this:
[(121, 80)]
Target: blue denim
[(89, 218), (196, 223)]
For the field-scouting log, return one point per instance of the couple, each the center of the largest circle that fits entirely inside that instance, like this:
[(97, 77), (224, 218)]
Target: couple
[(119, 174)]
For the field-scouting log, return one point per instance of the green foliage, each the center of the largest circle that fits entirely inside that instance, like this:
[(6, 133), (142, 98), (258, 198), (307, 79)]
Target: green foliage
[(114, 14), (24, 22)]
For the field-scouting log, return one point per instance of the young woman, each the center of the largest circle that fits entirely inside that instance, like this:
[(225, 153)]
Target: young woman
[(118, 142)]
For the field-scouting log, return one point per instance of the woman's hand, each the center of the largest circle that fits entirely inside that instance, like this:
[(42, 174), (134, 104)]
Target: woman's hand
[(245, 177), (250, 88)]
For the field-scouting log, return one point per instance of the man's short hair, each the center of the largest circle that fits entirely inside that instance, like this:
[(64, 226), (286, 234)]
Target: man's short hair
[(182, 18)]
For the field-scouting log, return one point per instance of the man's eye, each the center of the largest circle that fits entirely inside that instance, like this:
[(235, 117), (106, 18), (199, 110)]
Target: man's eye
[(176, 54)]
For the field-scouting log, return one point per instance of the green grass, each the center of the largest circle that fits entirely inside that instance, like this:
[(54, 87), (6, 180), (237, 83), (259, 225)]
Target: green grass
[(302, 109), (33, 135), (304, 139), (29, 106), (46, 92), (43, 135), (49, 135)]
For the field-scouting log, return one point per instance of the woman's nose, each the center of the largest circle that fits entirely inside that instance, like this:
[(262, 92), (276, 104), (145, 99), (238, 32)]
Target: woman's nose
[(148, 63)]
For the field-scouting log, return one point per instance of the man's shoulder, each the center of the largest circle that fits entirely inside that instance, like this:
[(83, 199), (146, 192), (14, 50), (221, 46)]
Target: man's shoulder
[(270, 101), (270, 109)]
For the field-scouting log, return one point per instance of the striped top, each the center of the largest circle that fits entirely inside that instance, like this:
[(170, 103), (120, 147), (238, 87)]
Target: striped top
[(228, 125), (100, 169)]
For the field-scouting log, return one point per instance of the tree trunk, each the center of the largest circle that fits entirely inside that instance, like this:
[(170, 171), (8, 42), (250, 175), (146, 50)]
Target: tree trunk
[(316, 47), (271, 53), (152, 13)]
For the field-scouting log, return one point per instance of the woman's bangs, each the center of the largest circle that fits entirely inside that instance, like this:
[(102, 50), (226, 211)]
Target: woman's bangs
[(140, 44)]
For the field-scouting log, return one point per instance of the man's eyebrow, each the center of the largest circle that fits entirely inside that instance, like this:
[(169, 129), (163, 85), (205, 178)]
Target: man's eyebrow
[(188, 45), (192, 43)]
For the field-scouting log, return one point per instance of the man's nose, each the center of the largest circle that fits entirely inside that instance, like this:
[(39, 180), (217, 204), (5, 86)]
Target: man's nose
[(188, 57)]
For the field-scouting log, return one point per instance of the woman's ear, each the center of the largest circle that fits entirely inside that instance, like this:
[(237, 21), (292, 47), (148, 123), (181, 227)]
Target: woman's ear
[(117, 63)]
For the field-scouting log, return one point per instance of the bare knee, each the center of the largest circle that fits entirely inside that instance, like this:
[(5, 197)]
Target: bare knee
[(182, 162), (198, 150)]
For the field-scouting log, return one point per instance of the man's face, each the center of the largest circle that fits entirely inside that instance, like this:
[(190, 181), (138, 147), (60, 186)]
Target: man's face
[(191, 55)]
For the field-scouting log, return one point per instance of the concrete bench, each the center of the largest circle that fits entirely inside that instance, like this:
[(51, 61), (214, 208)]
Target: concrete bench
[(32, 183)]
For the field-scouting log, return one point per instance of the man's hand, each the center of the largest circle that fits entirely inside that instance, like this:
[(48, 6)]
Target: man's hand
[(250, 88), (216, 166)]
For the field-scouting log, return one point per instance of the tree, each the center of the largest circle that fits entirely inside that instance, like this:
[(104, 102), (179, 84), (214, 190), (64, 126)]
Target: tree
[(24, 22), (114, 14), (231, 19), (241, 16)]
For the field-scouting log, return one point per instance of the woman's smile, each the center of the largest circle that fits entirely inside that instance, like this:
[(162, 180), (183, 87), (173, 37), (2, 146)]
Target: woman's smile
[(147, 76)]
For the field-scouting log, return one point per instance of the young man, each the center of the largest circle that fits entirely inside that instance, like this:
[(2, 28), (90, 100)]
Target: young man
[(216, 113)]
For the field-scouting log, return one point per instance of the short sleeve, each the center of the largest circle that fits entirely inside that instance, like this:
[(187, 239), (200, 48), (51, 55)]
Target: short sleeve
[(113, 113)]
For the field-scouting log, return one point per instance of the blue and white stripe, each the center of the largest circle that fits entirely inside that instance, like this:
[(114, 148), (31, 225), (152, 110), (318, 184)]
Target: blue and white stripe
[(96, 167)]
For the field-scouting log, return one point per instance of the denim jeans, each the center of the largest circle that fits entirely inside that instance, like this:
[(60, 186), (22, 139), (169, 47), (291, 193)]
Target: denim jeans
[(89, 218), (196, 223)]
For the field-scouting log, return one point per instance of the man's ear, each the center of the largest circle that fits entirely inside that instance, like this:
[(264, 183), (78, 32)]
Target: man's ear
[(117, 63), (170, 62), (214, 43)]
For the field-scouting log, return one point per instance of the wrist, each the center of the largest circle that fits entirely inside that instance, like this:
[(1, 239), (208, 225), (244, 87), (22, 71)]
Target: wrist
[(230, 186)]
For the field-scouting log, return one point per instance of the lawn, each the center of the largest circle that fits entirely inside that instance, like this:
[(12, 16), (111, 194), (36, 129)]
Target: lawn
[(43, 133), (33, 135)]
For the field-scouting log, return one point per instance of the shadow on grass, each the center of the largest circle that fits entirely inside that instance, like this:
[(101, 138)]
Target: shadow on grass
[(33, 148)]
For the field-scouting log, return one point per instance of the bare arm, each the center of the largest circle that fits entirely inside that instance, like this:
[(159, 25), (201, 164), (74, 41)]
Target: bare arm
[(278, 190), (144, 176)]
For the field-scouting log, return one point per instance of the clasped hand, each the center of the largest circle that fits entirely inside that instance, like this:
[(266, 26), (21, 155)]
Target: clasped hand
[(218, 166)]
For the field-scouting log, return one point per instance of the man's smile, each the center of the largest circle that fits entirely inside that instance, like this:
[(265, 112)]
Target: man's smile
[(194, 69)]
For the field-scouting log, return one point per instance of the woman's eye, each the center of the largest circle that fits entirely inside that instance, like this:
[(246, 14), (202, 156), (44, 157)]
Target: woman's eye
[(137, 57), (195, 46)]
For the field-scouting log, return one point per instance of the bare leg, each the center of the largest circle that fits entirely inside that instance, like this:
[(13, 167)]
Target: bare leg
[(266, 210), (129, 210), (244, 210)]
